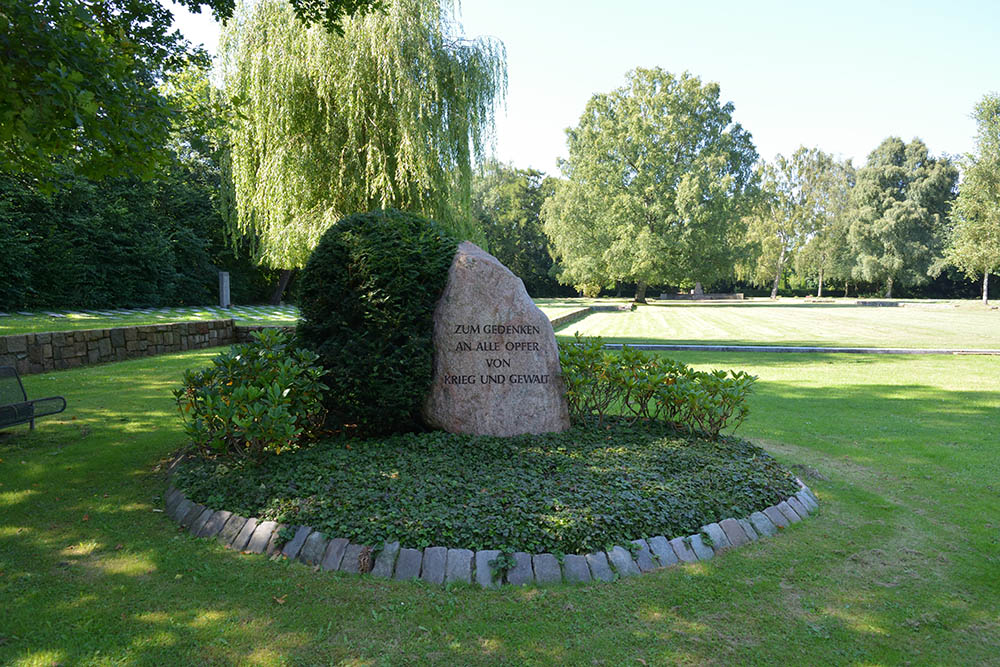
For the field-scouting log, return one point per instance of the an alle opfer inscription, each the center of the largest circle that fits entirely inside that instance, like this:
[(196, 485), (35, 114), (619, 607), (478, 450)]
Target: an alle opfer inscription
[(494, 357)]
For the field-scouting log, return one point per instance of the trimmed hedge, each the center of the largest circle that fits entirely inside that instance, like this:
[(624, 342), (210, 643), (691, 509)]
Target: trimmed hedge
[(366, 299)]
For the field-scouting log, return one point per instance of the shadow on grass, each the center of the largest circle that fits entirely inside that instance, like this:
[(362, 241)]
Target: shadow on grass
[(894, 568)]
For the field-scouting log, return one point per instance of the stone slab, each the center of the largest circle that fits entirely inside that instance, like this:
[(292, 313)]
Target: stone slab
[(258, 542), (200, 522), (171, 498), (334, 554), (799, 508), (807, 500), (701, 549), (385, 562), (458, 566), (748, 529), (719, 539), (352, 558), (273, 547), (546, 568), (433, 568), (734, 531), (313, 548), (214, 524), (683, 551), (600, 569), (575, 569), (231, 530), (777, 517), (408, 564), (496, 363), (789, 513), (181, 510), (293, 546), (660, 546), (644, 557), (246, 532), (521, 574), (192, 514), (621, 560), (484, 573)]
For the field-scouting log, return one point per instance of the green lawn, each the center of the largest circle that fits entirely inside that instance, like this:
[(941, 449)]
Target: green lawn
[(928, 325), (900, 565), (66, 320)]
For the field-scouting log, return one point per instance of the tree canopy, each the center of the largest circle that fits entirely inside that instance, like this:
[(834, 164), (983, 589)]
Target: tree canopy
[(975, 242), (508, 202), (389, 115), (799, 218), (657, 181), (900, 206)]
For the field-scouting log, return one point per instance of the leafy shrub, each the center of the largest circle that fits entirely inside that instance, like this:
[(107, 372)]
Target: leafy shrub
[(645, 386), (366, 299), (257, 398)]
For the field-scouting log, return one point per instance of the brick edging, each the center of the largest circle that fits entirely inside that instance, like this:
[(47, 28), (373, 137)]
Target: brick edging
[(441, 565)]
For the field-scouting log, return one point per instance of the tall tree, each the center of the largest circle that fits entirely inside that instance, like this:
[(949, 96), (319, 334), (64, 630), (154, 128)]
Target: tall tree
[(388, 115), (825, 252), (900, 206), (508, 202), (975, 242), (661, 173)]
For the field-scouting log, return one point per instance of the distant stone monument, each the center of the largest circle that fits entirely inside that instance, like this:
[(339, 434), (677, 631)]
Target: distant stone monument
[(496, 363)]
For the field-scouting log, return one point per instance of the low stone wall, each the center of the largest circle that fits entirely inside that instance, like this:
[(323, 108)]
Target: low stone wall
[(572, 316), (41, 352)]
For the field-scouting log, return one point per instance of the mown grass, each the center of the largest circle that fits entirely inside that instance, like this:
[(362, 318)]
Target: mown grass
[(901, 564), (64, 320), (799, 323)]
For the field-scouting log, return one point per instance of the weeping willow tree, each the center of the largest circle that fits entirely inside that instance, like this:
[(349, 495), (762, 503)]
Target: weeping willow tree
[(389, 114)]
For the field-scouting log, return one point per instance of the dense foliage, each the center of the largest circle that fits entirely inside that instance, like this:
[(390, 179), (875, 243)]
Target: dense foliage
[(659, 177), (900, 206), (642, 386), (391, 114), (508, 203), (367, 300), (571, 492), (974, 245), (257, 398), (120, 242)]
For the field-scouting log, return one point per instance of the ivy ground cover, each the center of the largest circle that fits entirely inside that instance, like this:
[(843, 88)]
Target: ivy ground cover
[(574, 492)]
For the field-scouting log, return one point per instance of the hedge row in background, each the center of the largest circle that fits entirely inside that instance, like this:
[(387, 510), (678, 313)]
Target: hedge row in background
[(117, 243)]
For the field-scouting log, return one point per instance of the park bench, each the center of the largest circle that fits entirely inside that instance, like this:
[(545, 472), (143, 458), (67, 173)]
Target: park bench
[(15, 408)]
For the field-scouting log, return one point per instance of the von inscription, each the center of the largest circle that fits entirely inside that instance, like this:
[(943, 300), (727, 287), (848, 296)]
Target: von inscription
[(490, 369)]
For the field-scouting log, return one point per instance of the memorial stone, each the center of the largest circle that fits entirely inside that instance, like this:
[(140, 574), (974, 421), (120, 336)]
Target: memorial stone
[(496, 363)]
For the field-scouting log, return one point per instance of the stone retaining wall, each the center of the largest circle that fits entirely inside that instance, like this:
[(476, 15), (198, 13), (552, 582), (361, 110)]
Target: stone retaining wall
[(41, 352)]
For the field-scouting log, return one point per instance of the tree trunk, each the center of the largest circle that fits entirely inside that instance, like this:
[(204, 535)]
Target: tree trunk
[(847, 284), (888, 288), (819, 290), (640, 292), (986, 287), (279, 290), (777, 274)]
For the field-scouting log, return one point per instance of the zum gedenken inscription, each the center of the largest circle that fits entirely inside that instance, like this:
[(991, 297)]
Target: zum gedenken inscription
[(496, 363), (495, 354)]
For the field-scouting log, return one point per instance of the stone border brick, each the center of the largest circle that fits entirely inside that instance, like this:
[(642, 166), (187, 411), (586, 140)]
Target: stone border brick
[(443, 565)]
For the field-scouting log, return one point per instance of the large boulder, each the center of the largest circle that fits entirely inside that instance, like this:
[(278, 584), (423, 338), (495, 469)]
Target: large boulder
[(496, 363)]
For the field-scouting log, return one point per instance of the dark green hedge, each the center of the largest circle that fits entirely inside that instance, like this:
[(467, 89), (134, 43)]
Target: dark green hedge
[(116, 243), (367, 298)]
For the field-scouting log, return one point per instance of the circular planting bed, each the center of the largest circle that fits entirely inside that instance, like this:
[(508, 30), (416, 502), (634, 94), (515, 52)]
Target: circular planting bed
[(589, 503)]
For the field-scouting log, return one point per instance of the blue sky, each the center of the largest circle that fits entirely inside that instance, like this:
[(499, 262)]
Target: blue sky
[(840, 76)]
